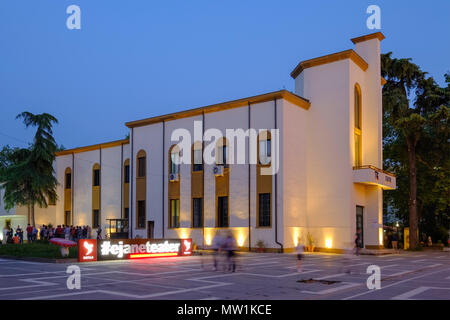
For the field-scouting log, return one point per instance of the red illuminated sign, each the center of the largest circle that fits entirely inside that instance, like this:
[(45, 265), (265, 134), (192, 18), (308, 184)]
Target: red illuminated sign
[(122, 249), (186, 247), (87, 250)]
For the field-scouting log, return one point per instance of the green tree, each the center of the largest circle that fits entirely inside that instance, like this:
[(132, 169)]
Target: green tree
[(28, 177), (415, 114)]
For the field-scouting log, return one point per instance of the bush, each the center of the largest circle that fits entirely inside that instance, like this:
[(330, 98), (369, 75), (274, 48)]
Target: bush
[(36, 250)]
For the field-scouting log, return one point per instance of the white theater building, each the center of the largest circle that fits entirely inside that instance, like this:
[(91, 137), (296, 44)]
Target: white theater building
[(325, 139)]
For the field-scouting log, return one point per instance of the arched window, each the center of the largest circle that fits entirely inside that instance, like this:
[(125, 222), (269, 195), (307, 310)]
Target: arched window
[(265, 148), (141, 187), (96, 201), (126, 189), (67, 196), (96, 175), (68, 178), (174, 160), (141, 161), (358, 125)]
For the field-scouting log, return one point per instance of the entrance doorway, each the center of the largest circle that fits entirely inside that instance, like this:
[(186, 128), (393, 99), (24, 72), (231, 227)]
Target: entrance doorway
[(150, 229), (360, 223)]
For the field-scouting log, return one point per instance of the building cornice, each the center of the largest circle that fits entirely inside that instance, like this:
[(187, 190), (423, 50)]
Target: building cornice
[(375, 35), (282, 94), (347, 54), (93, 147)]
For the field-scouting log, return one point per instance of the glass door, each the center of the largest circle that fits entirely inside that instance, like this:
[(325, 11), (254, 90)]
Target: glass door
[(360, 224)]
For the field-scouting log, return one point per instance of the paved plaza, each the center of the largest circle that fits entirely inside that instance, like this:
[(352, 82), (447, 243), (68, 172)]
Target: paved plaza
[(418, 275)]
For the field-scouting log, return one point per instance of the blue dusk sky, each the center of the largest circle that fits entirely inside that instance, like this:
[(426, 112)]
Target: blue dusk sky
[(141, 58)]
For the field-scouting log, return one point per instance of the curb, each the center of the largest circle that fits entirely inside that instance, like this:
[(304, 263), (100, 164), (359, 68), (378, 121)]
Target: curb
[(37, 259)]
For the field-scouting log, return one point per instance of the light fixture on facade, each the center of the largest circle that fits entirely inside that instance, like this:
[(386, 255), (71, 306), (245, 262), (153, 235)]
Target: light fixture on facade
[(328, 243), (240, 240), (208, 240)]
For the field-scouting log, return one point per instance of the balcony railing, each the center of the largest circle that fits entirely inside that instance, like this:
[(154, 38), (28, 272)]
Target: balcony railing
[(371, 175)]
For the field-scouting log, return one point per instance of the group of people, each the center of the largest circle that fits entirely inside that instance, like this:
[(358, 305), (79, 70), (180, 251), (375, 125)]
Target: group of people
[(73, 233), (225, 246), (17, 235)]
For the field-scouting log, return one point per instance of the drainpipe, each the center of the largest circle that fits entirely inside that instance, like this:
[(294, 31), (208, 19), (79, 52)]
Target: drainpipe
[(73, 188), (276, 186), (203, 178), (249, 194), (130, 214), (163, 176), (121, 180)]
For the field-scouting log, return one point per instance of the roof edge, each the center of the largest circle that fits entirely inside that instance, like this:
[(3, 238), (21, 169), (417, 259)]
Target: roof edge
[(281, 94), (329, 58), (375, 35), (93, 147)]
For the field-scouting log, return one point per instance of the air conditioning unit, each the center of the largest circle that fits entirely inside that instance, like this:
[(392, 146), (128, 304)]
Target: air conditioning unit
[(218, 170), (174, 177)]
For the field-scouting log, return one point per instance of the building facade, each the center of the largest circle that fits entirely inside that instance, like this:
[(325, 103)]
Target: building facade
[(322, 145)]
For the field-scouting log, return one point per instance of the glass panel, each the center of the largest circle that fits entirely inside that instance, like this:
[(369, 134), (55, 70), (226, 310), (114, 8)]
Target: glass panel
[(357, 109), (358, 160), (96, 177), (174, 162), (360, 224), (127, 174), (222, 212), (264, 210), (264, 152), (141, 214), (197, 212), (141, 167), (96, 219), (68, 180), (198, 166)]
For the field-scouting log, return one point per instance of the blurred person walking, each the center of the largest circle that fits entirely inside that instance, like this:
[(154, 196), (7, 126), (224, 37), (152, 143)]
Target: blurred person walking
[(230, 248), (300, 254), (217, 243)]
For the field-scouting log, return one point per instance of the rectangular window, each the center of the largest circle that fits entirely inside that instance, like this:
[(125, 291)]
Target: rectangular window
[(68, 180), (141, 214), (126, 213), (141, 167), (198, 161), (264, 210), (67, 220), (197, 216), (174, 213), (127, 174), (222, 212), (96, 177), (96, 218)]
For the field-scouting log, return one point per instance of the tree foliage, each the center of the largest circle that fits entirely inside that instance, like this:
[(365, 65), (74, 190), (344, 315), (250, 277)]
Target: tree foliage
[(27, 174), (416, 147)]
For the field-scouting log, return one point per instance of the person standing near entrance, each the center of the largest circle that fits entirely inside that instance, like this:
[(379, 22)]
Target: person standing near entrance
[(99, 233), (19, 233), (29, 233), (300, 250)]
